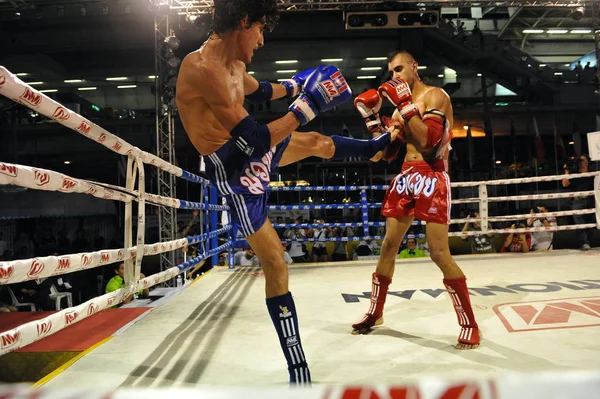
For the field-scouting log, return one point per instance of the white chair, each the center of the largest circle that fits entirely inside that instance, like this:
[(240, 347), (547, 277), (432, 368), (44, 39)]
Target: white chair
[(17, 304), (57, 296)]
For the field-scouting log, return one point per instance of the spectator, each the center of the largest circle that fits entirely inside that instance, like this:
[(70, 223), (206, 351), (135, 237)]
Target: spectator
[(319, 250), (118, 282), (23, 246), (366, 248), (541, 240), (286, 256), (517, 242), (340, 248), (581, 165), (412, 251), (480, 243), (245, 257)]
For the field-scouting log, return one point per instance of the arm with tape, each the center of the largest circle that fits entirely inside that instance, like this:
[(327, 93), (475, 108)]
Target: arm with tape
[(259, 92)]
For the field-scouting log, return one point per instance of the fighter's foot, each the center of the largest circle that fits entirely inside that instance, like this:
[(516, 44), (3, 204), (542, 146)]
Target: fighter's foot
[(365, 325), (469, 338)]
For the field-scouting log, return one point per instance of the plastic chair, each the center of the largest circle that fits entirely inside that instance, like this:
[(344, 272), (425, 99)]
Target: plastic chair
[(57, 296), (17, 304)]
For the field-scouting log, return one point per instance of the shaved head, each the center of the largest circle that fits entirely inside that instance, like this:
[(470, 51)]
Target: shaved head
[(401, 64)]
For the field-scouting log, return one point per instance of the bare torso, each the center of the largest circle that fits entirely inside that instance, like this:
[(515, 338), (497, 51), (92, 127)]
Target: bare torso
[(204, 130), (420, 99)]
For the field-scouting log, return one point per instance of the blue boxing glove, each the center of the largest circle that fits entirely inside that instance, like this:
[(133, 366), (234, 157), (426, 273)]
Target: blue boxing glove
[(323, 90), (295, 84)]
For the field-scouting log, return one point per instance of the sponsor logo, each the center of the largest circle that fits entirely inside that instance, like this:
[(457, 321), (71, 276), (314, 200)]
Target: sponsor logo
[(129, 152), (41, 177), (291, 341), (70, 317), (84, 127), (92, 190), (2, 79), (146, 283), (104, 257), (117, 146), (31, 97), (8, 170), (284, 312), (488, 290), (132, 253), (44, 327), (108, 194), (63, 264), (61, 114), (86, 260), (6, 272), (92, 308), (120, 255), (155, 248), (110, 301), (9, 339), (68, 184), (549, 314), (36, 268), (102, 138)]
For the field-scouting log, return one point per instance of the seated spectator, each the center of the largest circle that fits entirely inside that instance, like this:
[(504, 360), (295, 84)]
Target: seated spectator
[(516, 242), (118, 282), (194, 272), (541, 240), (244, 258), (412, 251), (480, 243), (366, 248)]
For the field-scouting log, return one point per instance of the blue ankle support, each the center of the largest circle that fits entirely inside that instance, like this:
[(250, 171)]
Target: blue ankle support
[(348, 147), (283, 314)]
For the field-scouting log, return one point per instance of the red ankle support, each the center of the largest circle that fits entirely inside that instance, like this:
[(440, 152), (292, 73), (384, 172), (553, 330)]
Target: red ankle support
[(379, 290), (459, 293)]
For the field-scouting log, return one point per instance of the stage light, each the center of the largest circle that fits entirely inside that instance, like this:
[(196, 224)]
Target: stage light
[(578, 13), (172, 42)]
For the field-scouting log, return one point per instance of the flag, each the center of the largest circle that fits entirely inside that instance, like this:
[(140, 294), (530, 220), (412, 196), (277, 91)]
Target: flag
[(539, 144), (560, 146), (576, 140), (513, 141), (470, 147)]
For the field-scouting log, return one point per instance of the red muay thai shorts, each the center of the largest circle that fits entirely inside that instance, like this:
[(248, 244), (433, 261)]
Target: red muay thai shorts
[(422, 190)]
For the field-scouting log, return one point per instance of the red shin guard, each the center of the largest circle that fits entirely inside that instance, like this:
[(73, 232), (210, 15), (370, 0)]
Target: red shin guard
[(459, 293), (379, 290)]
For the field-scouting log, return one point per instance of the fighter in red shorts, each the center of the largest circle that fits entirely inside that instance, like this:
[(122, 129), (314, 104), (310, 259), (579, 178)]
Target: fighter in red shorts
[(424, 116)]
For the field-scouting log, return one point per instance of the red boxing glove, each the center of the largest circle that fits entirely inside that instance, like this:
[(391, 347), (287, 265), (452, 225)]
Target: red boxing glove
[(369, 104), (398, 93)]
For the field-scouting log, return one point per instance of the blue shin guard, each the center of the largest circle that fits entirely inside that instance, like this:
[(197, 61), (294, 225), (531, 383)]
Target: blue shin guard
[(347, 147), (283, 314)]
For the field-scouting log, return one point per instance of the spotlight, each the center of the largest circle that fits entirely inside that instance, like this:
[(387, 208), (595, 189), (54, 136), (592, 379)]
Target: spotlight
[(405, 19), (355, 20), (380, 20), (429, 18), (173, 62), (578, 13), (172, 42)]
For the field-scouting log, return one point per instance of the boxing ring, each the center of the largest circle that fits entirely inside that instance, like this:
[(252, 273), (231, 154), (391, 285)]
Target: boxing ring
[(539, 312)]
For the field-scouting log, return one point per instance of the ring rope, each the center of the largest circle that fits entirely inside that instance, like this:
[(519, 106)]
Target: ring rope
[(19, 91), (47, 180)]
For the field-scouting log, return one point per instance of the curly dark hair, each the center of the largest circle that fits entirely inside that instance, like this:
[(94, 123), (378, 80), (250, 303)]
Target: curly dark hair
[(227, 14)]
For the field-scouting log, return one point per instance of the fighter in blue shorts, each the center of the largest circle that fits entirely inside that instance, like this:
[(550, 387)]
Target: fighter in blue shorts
[(241, 153)]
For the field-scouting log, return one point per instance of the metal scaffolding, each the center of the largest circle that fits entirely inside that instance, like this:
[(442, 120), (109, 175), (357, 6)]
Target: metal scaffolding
[(165, 125), (203, 6)]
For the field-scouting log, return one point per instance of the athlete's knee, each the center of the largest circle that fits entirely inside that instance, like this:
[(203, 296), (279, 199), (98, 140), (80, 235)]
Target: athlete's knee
[(439, 255), (390, 244), (322, 145)]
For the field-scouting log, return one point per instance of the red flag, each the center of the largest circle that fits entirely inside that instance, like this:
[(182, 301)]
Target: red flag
[(539, 144), (560, 146)]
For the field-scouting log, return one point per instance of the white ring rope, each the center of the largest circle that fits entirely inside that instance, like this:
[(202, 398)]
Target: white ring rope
[(17, 90), (41, 179), (522, 180), (47, 180)]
